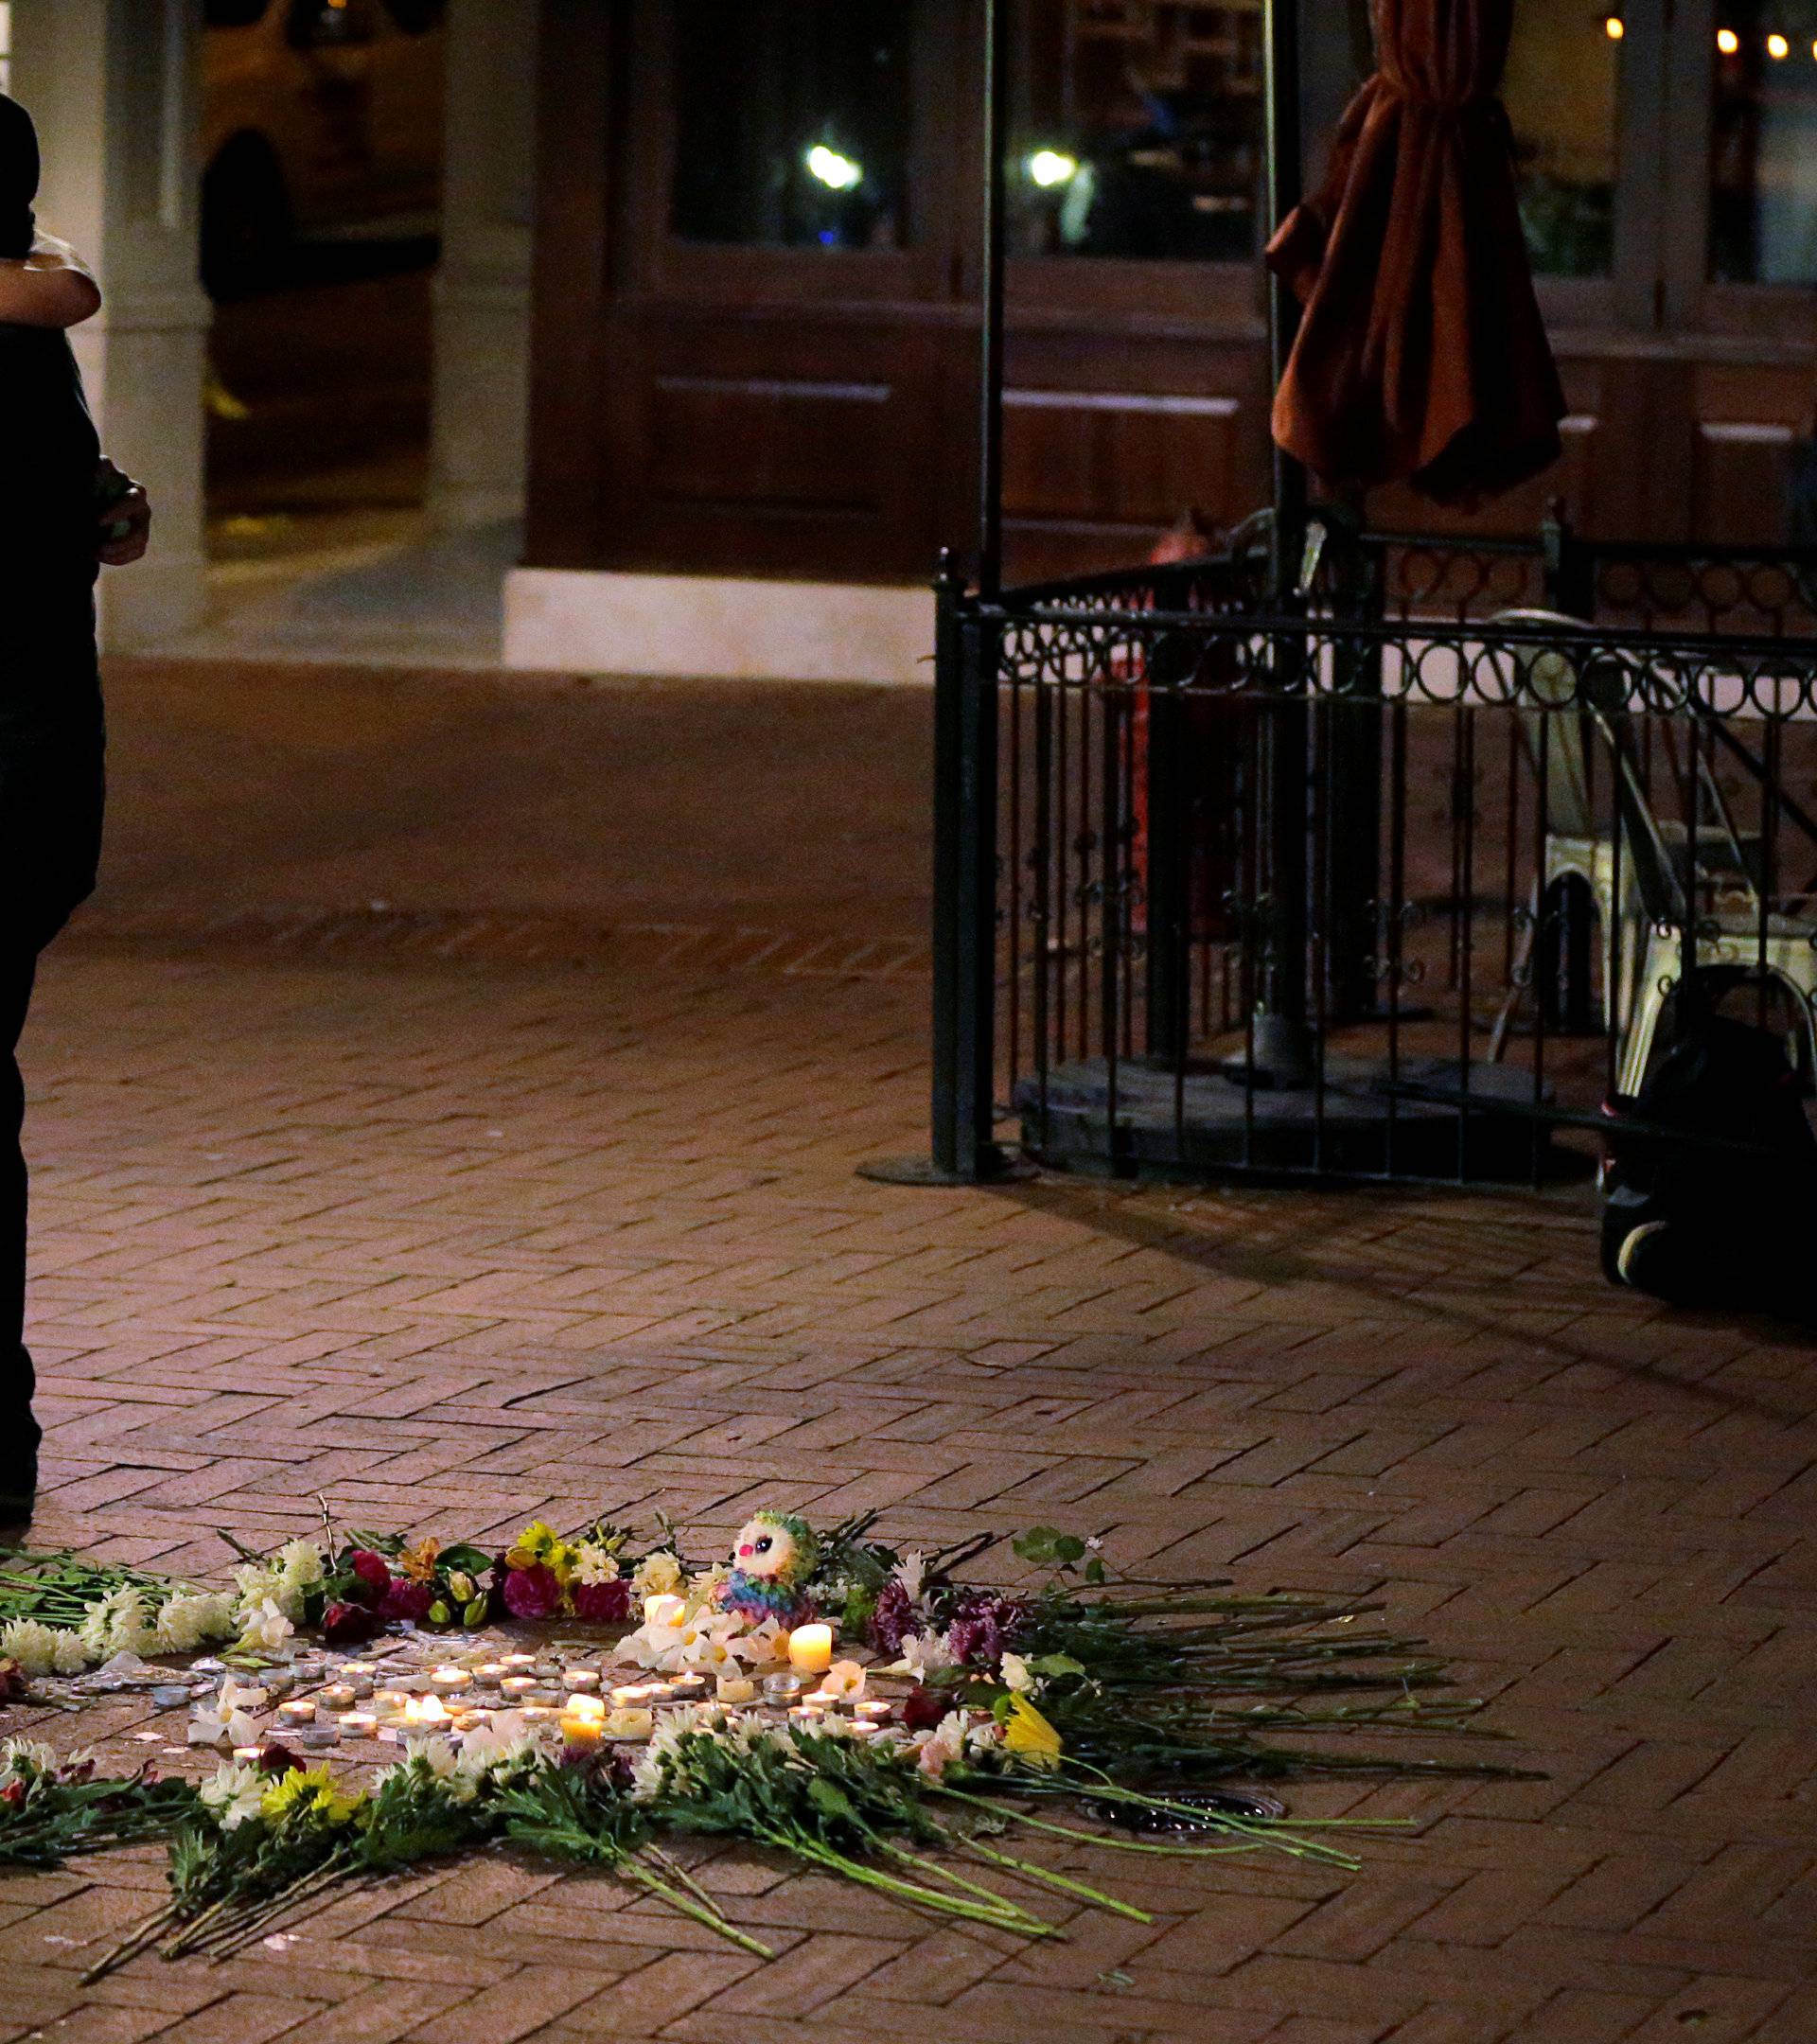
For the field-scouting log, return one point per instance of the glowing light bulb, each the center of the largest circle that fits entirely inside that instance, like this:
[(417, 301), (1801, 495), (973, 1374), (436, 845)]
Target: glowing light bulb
[(1615, 28), (1727, 42), (1049, 168), (1778, 48), (837, 172)]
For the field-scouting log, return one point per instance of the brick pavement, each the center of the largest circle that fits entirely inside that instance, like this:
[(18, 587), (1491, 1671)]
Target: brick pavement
[(457, 1237)]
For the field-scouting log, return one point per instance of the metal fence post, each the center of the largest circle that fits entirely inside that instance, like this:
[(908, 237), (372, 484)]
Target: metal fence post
[(965, 903)]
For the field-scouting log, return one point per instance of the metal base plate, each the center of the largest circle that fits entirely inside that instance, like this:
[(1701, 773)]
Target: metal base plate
[(922, 1171), (1147, 1118)]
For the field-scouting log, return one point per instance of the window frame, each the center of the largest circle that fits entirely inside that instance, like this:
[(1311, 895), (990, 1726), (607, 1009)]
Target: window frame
[(670, 267)]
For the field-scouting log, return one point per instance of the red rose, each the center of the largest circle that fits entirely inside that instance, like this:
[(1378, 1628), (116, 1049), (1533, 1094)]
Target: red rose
[(407, 1600), (372, 1570), (347, 1625), (603, 1603), (923, 1709), (532, 1593), (276, 1760), (13, 1795)]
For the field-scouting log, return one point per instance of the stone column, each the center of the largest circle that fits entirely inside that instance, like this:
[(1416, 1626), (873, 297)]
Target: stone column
[(113, 86), (483, 292)]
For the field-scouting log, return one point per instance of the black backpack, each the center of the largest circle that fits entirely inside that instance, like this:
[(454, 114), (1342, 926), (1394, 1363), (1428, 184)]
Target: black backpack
[(1710, 1173)]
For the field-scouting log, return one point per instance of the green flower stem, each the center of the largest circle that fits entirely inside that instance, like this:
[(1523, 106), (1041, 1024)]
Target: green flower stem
[(931, 1898), (630, 1870), (132, 1944), (936, 1872), (1061, 1881), (249, 1927)]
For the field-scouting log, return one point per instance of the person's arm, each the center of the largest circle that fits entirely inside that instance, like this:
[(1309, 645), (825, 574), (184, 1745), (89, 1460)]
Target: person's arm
[(51, 287)]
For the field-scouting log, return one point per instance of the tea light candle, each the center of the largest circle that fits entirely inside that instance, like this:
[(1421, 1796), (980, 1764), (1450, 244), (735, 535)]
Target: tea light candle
[(810, 1649), (516, 1660), (876, 1712), (489, 1674), (447, 1680), (248, 1755), (628, 1693), (663, 1609), (737, 1689), (582, 1722), (360, 1683), (429, 1710), (358, 1724), (583, 1679), (340, 1695), (659, 1692), (688, 1686), (517, 1688), (391, 1699), (782, 1689), (808, 1711), (299, 1712), (535, 1713)]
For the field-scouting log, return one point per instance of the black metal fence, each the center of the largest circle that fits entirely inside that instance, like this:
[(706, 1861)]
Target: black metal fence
[(1466, 819)]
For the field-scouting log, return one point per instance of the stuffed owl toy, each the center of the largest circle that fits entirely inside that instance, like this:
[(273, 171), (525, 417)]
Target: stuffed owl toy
[(773, 1557)]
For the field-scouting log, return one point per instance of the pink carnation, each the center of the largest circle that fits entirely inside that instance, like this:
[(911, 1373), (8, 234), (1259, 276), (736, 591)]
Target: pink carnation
[(532, 1593), (603, 1603)]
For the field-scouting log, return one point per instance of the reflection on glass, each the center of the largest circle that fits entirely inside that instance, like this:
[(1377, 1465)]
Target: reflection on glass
[(792, 124), (1138, 129), (1563, 79), (1763, 143)]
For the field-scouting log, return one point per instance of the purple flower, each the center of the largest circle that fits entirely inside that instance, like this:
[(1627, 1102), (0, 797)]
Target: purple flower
[(532, 1593), (976, 1642), (407, 1600), (894, 1618), (603, 1603)]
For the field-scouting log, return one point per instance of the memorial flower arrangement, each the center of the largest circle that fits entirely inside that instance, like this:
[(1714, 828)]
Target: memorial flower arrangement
[(1080, 1707)]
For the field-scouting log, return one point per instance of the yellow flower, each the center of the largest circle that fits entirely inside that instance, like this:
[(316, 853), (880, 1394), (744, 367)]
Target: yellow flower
[(537, 1542), (1029, 1735), (313, 1790), (417, 1563)]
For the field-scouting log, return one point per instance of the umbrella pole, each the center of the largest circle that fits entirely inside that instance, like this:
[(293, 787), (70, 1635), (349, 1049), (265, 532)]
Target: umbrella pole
[(1283, 1051), (990, 436)]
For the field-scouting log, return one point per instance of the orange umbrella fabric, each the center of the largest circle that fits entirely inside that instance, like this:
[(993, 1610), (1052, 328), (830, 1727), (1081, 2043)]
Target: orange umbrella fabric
[(1420, 353)]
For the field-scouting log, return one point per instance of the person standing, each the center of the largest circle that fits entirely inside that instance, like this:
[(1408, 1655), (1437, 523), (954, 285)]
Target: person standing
[(65, 513)]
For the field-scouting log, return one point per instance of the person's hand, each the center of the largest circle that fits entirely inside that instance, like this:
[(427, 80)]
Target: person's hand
[(125, 518)]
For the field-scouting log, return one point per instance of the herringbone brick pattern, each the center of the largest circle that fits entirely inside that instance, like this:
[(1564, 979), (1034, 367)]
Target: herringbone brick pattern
[(457, 1239)]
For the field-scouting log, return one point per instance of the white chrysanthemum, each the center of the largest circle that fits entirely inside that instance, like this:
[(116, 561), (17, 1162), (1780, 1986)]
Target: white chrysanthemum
[(504, 1748), (25, 1757), (593, 1564), (30, 1644), (234, 1792), (302, 1563), (69, 1654), (435, 1752), (649, 1775), (658, 1575), (188, 1621), (120, 1623)]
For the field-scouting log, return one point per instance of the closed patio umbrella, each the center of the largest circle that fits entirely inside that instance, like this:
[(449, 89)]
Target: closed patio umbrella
[(1420, 353)]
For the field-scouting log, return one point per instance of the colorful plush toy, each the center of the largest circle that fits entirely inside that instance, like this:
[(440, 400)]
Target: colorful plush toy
[(773, 1557)]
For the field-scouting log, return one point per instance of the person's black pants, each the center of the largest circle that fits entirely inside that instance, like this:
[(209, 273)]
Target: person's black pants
[(51, 800)]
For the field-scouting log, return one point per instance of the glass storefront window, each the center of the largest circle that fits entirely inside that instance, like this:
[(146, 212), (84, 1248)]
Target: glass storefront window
[(1563, 98), (792, 124), (1138, 129), (1763, 143)]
